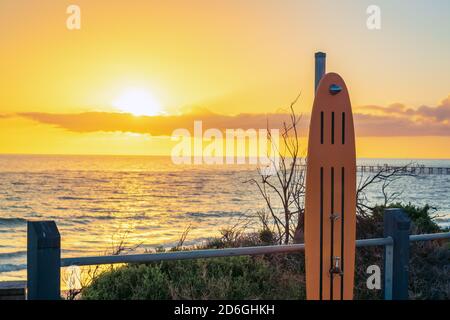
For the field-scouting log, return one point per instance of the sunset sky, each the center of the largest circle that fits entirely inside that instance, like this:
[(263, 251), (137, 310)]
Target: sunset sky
[(228, 63)]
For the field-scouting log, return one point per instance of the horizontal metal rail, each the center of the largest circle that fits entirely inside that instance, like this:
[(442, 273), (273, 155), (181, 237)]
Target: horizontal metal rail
[(181, 255), (228, 252), (208, 253), (431, 236), (374, 242)]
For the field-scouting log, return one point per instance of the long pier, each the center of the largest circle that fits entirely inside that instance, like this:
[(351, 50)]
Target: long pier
[(407, 169), (412, 169)]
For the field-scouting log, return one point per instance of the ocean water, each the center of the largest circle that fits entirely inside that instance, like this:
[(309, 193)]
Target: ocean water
[(100, 201)]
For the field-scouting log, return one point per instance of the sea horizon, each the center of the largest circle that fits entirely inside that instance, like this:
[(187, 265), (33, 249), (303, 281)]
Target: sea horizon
[(168, 156)]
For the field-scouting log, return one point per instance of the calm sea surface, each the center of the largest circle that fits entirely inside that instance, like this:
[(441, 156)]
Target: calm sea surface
[(98, 201)]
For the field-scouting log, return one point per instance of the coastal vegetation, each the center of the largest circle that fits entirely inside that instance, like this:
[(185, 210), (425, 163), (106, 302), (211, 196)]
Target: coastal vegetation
[(275, 276)]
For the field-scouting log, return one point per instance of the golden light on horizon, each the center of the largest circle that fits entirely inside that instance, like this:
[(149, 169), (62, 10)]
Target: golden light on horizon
[(139, 102)]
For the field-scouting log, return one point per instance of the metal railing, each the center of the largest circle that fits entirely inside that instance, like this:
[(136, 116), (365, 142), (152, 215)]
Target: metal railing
[(44, 255), (201, 254)]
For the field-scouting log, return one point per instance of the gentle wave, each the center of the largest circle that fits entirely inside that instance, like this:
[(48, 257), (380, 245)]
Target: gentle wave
[(9, 255), (74, 198), (12, 267), (214, 214), (12, 221)]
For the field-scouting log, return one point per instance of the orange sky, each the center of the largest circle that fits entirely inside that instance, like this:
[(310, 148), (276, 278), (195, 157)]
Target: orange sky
[(61, 89)]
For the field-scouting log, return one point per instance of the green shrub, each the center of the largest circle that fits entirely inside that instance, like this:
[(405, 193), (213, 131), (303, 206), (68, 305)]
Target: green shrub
[(219, 278), (135, 282), (371, 226)]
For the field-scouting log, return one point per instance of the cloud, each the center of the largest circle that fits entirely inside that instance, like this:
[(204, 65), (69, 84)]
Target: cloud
[(154, 125), (375, 121), (385, 126), (5, 116), (400, 120), (440, 113)]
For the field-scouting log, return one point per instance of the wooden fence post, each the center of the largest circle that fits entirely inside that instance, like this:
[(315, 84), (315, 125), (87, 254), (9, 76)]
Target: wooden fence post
[(43, 261), (396, 257)]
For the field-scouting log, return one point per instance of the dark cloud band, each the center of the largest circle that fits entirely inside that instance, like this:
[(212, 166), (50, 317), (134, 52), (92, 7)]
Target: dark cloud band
[(394, 120)]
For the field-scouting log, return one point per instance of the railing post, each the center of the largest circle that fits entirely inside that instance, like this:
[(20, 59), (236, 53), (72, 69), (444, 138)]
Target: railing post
[(43, 261), (396, 257)]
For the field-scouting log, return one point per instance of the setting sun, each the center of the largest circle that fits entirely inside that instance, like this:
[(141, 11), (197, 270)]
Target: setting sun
[(138, 102)]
